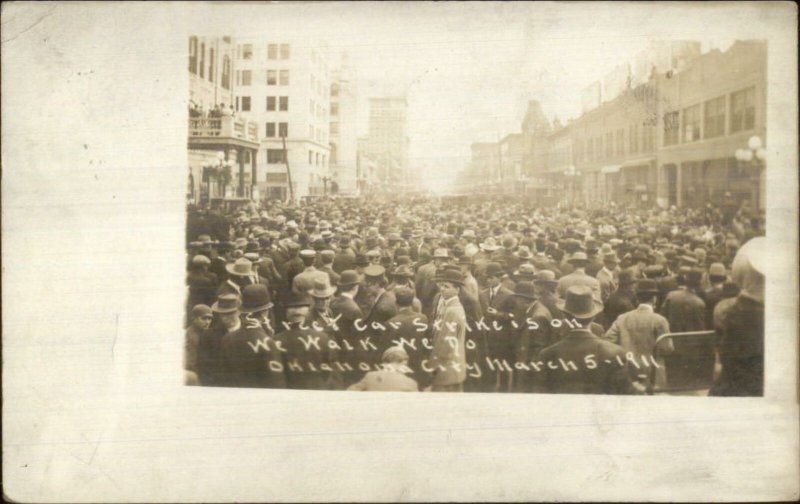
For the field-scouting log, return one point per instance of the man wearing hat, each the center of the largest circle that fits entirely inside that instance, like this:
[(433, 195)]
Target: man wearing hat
[(637, 330), (425, 279), (345, 256), (448, 357), (582, 363), (608, 276), (493, 299), (202, 283), (404, 327), (309, 360), (716, 276), (240, 275), (320, 312), (514, 345), (210, 361), (382, 305), (346, 311), (304, 282), (739, 323), (579, 261), (250, 355), (402, 276), (683, 308), (392, 378), (326, 258), (621, 300)]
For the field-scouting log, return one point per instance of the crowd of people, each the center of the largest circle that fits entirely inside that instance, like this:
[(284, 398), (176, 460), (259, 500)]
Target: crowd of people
[(477, 295)]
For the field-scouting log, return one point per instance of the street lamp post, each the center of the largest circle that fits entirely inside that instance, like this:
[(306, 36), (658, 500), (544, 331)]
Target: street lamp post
[(753, 157)]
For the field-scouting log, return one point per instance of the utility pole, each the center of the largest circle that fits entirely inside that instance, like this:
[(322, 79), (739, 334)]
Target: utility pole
[(288, 170)]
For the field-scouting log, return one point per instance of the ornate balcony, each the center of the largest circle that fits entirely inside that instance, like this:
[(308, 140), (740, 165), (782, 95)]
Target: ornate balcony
[(225, 130)]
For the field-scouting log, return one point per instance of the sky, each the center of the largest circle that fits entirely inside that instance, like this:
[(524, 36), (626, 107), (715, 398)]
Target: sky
[(469, 69)]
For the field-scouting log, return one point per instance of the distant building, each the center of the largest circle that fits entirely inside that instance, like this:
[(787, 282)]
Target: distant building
[(535, 129), (484, 168), (343, 128), (285, 86), (511, 151), (387, 143)]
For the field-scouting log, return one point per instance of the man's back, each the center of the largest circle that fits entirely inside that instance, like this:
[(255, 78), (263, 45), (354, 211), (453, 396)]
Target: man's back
[(685, 311)]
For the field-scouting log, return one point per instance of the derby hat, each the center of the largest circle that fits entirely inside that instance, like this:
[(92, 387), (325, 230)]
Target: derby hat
[(322, 287), (226, 303), (241, 267), (526, 270), (494, 269), (348, 278), (523, 252), (717, 270), (579, 303), (296, 300), (653, 271), (525, 290), (646, 286), (545, 277), (255, 298)]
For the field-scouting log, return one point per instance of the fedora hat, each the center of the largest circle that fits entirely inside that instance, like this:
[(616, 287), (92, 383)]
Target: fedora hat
[(545, 277), (611, 257), (403, 271), (578, 258), (580, 303), (523, 252), (226, 303), (322, 287), (646, 286), (525, 290), (348, 278), (526, 270), (450, 275), (489, 245), (255, 298), (241, 267), (440, 253), (253, 257)]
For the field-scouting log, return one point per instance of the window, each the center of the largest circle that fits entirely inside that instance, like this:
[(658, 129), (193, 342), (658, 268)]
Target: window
[(271, 130), (317, 158), (275, 156), (247, 77), (691, 123), (202, 60), (334, 109), (193, 55), (272, 51), (714, 118), (334, 128), (272, 77), (283, 129), (634, 138), (284, 51), (743, 110), (283, 104), (226, 72), (212, 67), (335, 90), (671, 128), (323, 160), (609, 145), (310, 157), (247, 51), (245, 103), (270, 103), (284, 77)]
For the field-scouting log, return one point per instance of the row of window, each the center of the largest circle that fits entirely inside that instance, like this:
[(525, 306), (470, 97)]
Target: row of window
[(274, 103), (279, 130), (317, 110), (708, 119), (203, 63), (274, 51), (274, 77), (315, 158), (278, 156), (318, 86), (316, 134)]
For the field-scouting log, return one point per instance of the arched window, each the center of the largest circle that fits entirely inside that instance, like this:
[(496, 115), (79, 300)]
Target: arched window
[(226, 72), (193, 55)]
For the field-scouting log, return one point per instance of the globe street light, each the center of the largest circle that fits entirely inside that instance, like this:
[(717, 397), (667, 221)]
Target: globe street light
[(754, 156)]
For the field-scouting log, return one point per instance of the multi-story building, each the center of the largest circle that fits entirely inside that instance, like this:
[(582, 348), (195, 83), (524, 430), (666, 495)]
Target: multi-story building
[(706, 112), (285, 87), (484, 168), (343, 128), (560, 163), (388, 143), (222, 145), (535, 129), (511, 149)]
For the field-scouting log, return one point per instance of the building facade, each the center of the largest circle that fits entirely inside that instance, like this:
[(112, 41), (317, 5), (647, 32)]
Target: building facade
[(285, 87), (387, 143), (222, 145), (343, 129)]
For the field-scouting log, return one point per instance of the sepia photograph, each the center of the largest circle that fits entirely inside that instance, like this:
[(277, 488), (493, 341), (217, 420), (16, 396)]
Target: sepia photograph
[(560, 238), (342, 234)]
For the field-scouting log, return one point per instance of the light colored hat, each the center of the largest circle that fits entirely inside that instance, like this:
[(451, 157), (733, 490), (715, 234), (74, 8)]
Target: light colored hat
[(308, 253), (322, 287), (394, 354), (200, 259), (490, 245), (241, 267), (440, 253)]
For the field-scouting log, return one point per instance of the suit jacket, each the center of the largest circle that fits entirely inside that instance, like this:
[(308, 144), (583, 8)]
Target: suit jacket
[(739, 323), (344, 260), (685, 311), (304, 282), (575, 278), (333, 275), (608, 283), (383, 307), (593, 375), (618, 303), (426, 288), (303, 366), (448, 357), (386, 380), (251, 359), (636, 331), (348, 312)]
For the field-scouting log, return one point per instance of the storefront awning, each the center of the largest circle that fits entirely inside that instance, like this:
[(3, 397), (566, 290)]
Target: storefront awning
[(638, 162), (610, 169)]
